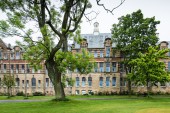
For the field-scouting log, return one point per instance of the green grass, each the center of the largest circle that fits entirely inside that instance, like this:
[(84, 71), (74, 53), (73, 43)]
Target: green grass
[(103, 104)]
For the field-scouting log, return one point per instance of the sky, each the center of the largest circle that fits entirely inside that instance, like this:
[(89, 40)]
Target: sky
[(158, 8)]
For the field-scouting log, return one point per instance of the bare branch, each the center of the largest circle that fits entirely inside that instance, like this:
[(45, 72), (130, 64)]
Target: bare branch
[(109, 10), (49, 22), (90, 19), (79, 19)]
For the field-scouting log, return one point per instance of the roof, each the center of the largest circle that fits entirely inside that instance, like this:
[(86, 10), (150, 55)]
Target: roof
[(94, 41)]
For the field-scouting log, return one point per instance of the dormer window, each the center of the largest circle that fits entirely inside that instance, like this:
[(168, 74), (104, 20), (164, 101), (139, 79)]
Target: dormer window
[(17, 55), (5, 56), (108, 51)]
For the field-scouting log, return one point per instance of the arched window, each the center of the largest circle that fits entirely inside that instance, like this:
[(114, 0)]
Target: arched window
[(114, 81), (17, 82), (101, 81), (77, 81), (33, 80), (107, 81), (90, 81), (83, 81)]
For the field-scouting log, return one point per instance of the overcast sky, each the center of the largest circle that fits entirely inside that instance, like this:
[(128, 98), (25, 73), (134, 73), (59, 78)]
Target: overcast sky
[(158, 8)]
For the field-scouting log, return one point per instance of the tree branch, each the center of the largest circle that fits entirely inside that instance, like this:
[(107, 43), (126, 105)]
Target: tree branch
[(79, 19), (108, 10)]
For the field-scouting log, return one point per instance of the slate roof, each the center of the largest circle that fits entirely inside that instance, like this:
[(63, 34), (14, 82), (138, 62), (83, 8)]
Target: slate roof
[(94, 41)]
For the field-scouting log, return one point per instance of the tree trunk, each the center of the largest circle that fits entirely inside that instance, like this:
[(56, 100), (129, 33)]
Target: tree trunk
[(58, 87), (148, 88), (55, 77)]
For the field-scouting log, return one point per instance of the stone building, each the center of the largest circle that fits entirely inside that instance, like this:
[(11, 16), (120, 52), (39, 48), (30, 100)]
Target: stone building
[(108, 75), (27, 80)]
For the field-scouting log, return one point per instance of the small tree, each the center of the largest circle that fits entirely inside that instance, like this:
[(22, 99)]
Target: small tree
[(8, 81), (148, 69)]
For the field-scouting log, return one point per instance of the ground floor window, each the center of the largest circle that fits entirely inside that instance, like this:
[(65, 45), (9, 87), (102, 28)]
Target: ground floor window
[(101, 81), (107, 81), (77, 92), (83, 92), (114, 81), (77, 81), (122, 82)]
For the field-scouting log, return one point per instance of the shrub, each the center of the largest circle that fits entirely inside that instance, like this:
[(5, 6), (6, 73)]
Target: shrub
[(38, 94), (100, 93), (20, 93)]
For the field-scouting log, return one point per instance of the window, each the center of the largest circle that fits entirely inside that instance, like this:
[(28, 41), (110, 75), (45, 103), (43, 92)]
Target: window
[(27, 83), (107, 66), (83, 92), (96, 67), (47, 82), (23, 68), (113, 66), (23, 85), (77, 82), (101, 66), (17, 68), (107, 81), (39, 83), (33, 70), (90, 81), (101, 53), (12, 56), (17, 55), (5, 56), (28, 68), (114, 81), (4, 68), (83, 81), (122, 82), (168, 66), (12, 68), (95, 54), (77, 92), (33, 80), (101, 81), (17, 80), (108, 51), (121, 65)]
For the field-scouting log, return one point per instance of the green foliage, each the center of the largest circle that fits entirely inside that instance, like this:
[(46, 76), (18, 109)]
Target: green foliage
[(8, 81), (134, 34), (67, 60), (149, 68)]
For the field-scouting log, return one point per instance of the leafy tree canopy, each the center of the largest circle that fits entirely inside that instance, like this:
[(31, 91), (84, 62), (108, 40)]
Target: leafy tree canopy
[(148, 68)]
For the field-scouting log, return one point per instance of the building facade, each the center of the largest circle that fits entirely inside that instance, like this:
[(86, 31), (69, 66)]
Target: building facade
[(27, 80), (108, 75)]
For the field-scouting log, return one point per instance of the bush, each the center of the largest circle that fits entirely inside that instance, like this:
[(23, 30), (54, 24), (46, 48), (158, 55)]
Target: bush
[(2, 94), (38, 94), (20, 93), (113, 93), (100, 93)]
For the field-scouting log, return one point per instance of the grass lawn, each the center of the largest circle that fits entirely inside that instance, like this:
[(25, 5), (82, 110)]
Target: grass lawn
[(92, 104)]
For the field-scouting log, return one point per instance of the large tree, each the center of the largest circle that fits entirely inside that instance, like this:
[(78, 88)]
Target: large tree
[(132, 34), (47, 19), (148, 69)]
